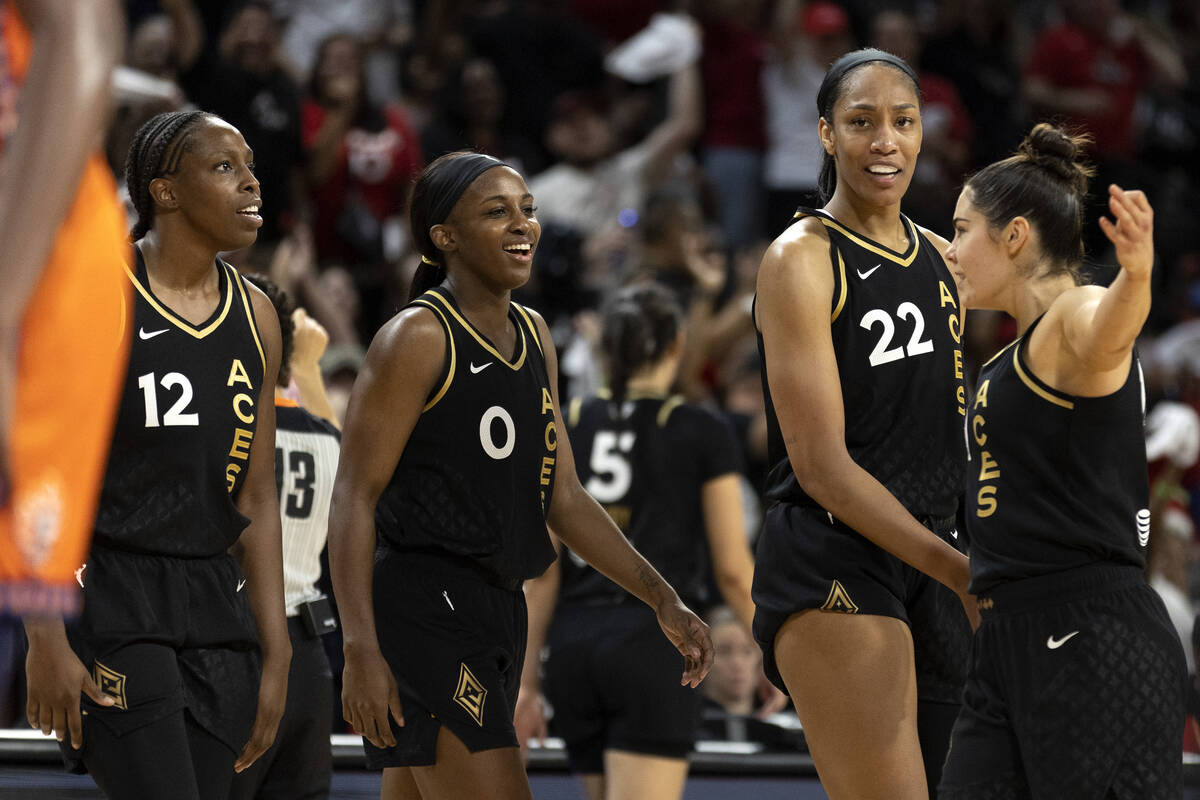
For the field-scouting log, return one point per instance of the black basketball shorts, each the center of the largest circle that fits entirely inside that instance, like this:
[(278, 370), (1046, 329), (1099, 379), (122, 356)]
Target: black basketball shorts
[(807, 559), (612, 678), (455, 644), (1076, 690), (160, 634)]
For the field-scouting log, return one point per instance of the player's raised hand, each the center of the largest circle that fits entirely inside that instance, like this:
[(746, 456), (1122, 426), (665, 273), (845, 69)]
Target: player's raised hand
[(1132, 234), (691, 638)]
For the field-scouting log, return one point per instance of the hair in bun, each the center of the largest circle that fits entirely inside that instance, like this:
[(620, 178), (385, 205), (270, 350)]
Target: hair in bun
[(1045, 182)]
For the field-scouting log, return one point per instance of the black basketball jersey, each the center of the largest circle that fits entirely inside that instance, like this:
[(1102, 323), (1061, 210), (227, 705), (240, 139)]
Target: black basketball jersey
[(1054, 481), (646, 463), (476, 476), (188, 413), (897, 335)]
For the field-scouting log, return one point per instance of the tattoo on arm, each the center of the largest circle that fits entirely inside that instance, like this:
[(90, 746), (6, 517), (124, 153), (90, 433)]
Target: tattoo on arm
[(648, 577)]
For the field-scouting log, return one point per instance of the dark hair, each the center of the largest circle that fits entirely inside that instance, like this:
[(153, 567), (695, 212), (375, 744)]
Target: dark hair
[(287, 326), (367, 116), (640, 323), (831, 91), (156, 150), (1046, 182), (434, 196)]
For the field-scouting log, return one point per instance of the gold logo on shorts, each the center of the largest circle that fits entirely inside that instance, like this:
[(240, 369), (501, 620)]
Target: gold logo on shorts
[(470, 694), (839, 600), (112, 683)]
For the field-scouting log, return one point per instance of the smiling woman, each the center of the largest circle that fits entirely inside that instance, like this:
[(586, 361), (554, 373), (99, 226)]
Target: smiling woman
[(451, 453), (166, 648), (858, 564)]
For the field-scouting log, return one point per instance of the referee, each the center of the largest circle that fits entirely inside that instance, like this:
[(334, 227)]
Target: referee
[(299, 765)]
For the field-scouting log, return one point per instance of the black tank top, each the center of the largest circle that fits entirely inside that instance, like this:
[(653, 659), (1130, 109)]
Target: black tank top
[(1055, 481), (646, 463), (897, 335), (188, 414), (477, 473)]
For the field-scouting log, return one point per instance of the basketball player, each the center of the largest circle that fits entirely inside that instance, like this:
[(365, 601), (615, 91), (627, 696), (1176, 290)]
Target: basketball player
[(1077, 683), (300, 763), (63, 295), (858, 564), (452, 453), (667, 473), (167, 632)]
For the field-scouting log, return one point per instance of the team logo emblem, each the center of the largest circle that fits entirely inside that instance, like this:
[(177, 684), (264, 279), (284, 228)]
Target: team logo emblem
[(470, 694), (1143, 526), (839, 600), (38, 514), (112, 683)]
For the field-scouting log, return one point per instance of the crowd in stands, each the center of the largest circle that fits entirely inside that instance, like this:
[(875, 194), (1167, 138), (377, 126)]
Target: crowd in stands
[(671, 141)]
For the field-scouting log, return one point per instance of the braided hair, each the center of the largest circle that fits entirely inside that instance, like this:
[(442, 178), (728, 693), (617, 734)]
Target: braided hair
[(156, 151)]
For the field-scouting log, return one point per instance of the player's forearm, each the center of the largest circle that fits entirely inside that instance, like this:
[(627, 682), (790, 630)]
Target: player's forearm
[(260, 550), (64, 107), (584, 527), (541, 598), (313, 396), (351, 566)]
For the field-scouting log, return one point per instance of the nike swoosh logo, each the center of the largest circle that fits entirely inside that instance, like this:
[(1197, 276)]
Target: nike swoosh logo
[(480, 368), (145, 334), (241, 583), (1054, 644), (867, 274)]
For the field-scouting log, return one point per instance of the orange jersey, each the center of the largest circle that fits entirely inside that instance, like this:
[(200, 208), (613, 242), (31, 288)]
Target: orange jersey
[(70, 367)]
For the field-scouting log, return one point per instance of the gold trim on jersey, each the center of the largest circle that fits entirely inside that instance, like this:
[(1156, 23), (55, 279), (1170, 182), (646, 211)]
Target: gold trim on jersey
[(891, 255), (1002, 351), (514, 366), (176, 320), (233, 276), (453, 355), (1029, 381), (664, 411), (537, 337), (843, 286)]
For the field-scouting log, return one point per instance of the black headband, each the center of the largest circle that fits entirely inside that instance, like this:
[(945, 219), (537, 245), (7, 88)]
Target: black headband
[(855, 59), (453, 178)]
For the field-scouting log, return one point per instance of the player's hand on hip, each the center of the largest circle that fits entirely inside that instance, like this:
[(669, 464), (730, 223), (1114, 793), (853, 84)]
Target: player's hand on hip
[(529, 719), (369, 694), (690, 636), (56, 679), (272, 699), (1132, 234)]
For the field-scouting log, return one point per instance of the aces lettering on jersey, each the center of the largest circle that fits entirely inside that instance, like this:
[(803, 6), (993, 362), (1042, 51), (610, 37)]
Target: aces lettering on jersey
[(954, 320), (243, 409), (989, 470)]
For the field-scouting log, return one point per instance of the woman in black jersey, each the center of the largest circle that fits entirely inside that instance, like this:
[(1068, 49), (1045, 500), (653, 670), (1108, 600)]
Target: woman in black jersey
[(166, 650), (667, 472), (1077, 681), (451, 468), (859, 330)]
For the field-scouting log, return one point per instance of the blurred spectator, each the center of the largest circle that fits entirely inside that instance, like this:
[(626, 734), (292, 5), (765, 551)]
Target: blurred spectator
[(1090, 71), (732, 684), (945, 128), (615, 21), (362, 158), (594, 187), (803, 46), (734, 117), (472, 117), (381, 25), (540, 51), (245, 83), (975, 50), (1168, 569)]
